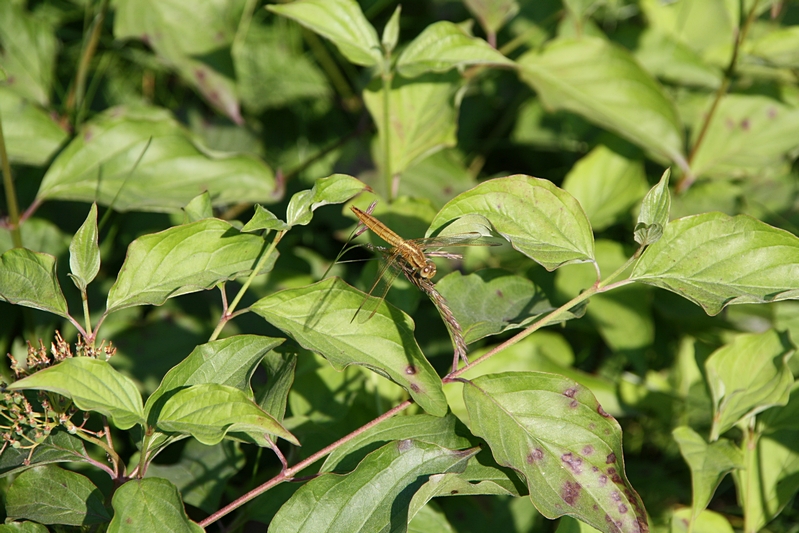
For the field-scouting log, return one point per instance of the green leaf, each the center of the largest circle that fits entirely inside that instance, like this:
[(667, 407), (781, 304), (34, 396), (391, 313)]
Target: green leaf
[(606, 184), (716, 260), (263, 219), (52, 495), (440, 431), (194, 39), (603, 82), (23, 527), (747, 136), (654, 213), (554, 432), (319, 317), (340, 21), (671, 60), (199, 208), (38, 235), (568, 524), (429, 519), (229, 361), (203, 472), (279, 368), (748, 376), (779, 47), (540, 220), (706, 522), (372, 498), (93, 385), (58, 447), (150, 504), (272, 56), (182, 260), (773, 482), (28, 48), (31, 135), (709, 463), (335, 189), (121, 156), (84, 251), (423, 116), (443, 46), (437, 178), (492, 14), (391, 31), (208, 412), (492, 301), (29, 279)]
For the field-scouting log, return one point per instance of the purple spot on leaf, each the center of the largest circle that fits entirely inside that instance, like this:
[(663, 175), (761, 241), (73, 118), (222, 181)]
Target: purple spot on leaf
[(603, 480), (410, 370), (602, 411), (588, 450), (415, 387), (622, 508), (535, 456), (573, 462), (570, 492), (611, 458), (570, 392), (745, 124)]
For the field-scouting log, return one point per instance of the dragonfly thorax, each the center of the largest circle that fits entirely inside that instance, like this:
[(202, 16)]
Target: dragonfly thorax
[(428, 270)]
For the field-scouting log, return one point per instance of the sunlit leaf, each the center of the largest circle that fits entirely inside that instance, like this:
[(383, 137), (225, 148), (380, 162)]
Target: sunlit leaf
[(28, 47), (602, 82), (335, 189), (150, 504), (654, 214), (31, 135), (181, 260), (553, 432), (372, 498), (58, 447), (493, 14), (84, 251), (93, 385), (715, 260), (706, 522), (539, 219), (320, 318), (29, 278)]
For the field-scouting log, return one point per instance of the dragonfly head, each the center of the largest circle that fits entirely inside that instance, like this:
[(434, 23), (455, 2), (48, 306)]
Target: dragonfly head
[(428, 271)]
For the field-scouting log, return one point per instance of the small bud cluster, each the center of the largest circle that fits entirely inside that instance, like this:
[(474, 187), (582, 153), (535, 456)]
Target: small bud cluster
[(26, 420)]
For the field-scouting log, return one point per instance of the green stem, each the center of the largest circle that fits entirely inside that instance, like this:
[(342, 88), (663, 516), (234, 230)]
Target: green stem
[(75, 99), (11, 193), (87, 320), (751, 472), (227, 314)]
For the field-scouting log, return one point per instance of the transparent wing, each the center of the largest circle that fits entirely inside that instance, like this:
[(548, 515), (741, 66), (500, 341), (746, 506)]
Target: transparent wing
[(386, 274)]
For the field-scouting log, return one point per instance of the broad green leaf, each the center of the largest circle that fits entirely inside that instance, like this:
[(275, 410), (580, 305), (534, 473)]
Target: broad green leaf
[(782, 417), (440, 431), (122, 157), (748, 376), (372, 498), (229, 361), (28, 48), (654, 213), (150, 504), (765, 490), (208, 412), (263, 219), (671, 60), (84, 251), (443, 46), (539, 219), (429, 519), (603, 83), (29, 279), (58, 447), (52, 495), (340, 21), (438, 178), (423, 116), (319, 317), (492, 301), (202, 473), (335, 189), (748, 135), (38, 235), (273, 56), (193, 39), (23, 527), (183, 259), (554, 432), (568, 524), (709, 463), (607, 184), (492, 14), (279, 366), (391, 31), (716, 260), (199, 208), (93, 385), (780, 47), (706, 522), (31, 135)]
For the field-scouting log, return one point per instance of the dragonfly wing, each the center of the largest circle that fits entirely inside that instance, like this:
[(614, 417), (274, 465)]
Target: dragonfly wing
[(386, 274)]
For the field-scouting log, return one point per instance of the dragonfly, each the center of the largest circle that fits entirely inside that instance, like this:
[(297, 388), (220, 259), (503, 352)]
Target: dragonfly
[(409, 256)]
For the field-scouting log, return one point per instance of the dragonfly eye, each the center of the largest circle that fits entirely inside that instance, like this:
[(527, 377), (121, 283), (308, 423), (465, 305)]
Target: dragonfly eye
[(429, 270)]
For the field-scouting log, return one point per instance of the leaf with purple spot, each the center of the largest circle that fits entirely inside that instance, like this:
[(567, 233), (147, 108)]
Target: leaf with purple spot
[(553, 432)]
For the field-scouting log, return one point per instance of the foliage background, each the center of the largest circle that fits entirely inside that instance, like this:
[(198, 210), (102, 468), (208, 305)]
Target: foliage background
[(231, 77)]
